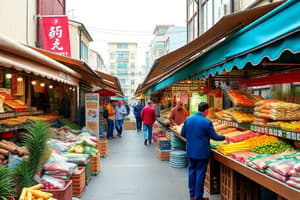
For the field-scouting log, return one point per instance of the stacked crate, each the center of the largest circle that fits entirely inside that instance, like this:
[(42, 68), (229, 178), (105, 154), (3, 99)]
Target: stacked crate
[(163, 155), (102, 147), (95, 164), (236, 186), (78, 181)]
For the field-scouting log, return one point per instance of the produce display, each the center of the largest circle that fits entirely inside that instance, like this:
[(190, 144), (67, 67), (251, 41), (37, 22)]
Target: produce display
[(245, 145), (240, 99), (35, 193), (7, 147), (242, 117), (273, 147), (16, 105)]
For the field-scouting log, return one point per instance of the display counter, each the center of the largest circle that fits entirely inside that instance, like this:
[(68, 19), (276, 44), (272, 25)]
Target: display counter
[(163, 122), (280, 188)]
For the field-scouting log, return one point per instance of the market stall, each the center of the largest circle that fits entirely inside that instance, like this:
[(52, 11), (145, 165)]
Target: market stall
[(257, 80)]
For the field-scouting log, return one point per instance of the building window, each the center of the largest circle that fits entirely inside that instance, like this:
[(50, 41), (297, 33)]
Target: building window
[(112, 56), (160, 44), (122, 65), (132, 82), (132, 65), (123, 55), (132, 73), (84, 51), (132, 91), (132, 56), (122, 81), (122, 46), (112, 65)]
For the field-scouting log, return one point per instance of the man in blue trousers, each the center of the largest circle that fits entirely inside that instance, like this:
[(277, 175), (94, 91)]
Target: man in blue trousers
[(198, 130)]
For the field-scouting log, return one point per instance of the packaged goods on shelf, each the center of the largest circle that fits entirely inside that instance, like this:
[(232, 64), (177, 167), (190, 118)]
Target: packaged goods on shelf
[(243, 157), (242, 117), (277, 110), (276, 175), (240, 99), (226, 130), (293, 184), (282, 165)]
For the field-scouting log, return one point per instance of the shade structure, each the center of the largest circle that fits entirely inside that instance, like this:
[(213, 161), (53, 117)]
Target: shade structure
[(104, 92)]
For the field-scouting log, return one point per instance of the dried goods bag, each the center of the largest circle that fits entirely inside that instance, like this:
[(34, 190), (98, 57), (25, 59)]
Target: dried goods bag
[(282, 165), (293, 183), (276, 175)]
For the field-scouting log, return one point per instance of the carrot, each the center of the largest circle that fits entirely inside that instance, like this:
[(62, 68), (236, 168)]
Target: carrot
[(40, 194), (36, 187), (29, 195), (23, 193)]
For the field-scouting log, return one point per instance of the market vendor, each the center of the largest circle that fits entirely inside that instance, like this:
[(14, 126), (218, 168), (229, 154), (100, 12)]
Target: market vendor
[(178, 114)]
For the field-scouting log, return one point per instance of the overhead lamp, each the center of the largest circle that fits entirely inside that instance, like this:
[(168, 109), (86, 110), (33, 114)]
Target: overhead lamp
[(19, 79), (70, 88), (33, 82), (8, 76), (74, 89), (50, 86), (42, 84)]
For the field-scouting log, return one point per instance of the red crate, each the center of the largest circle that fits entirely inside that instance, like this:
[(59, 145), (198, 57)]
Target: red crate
[(62, 194)]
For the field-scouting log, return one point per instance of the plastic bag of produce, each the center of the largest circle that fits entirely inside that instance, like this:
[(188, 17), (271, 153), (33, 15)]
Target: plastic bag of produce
[(297, 167), (282, 165), (295, 179), (64, 168), (294, 173), (57, 145), (13, 160), (52, 183), (243, 156), (76, 158), (276, 175), (293, 183)]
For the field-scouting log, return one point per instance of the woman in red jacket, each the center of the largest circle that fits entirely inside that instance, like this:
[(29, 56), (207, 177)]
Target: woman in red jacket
[(148, 117)]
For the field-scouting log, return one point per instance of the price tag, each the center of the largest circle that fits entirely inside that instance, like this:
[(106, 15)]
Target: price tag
[(279, 133), (236, 125), (251, 127), (294, 136), (275, 131), (288, 135), (270, 131), (298, 136)]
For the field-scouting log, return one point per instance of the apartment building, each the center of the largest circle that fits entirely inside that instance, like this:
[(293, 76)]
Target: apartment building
[(123, 64)]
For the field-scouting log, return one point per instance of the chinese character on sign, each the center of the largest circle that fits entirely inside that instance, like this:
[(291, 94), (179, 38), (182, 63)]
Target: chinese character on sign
[(55, 31), (55, 45)]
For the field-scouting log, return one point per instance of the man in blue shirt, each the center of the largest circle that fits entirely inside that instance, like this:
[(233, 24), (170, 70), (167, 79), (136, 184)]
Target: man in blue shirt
[(137, 109), (198, 130)]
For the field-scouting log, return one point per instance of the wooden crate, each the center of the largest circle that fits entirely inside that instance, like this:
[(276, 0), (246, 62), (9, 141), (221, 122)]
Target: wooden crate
[(129, 125), (236, 186), (95, 165), (163, 155), (212, 177), (78, 181), (102, 147)]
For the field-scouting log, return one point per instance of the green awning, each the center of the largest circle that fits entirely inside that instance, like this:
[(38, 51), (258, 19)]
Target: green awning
[(268, 37)]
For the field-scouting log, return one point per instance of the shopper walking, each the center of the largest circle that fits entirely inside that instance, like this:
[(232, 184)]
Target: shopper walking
[(148, 117), (137, 109), (198, 130), (178, 114), (110, 119), (120, 112)]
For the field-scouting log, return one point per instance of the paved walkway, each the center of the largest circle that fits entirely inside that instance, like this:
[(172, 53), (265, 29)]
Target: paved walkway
[(131, 171)]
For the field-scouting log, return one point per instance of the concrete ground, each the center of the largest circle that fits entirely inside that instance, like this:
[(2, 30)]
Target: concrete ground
[(131, 171)]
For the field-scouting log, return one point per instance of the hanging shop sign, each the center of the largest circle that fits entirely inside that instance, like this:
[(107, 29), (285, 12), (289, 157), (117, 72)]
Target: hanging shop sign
[(92, 113), (55, 35)]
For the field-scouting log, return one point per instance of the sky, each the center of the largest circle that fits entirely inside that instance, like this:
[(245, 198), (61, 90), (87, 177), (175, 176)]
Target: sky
[(125, 20)]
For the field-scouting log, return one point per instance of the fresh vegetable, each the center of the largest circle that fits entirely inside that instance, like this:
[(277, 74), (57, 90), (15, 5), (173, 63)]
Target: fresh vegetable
[(35, 193), (273, 147)]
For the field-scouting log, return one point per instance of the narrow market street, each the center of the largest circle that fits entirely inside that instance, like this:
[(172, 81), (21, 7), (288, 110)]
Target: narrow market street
[(131, 171)]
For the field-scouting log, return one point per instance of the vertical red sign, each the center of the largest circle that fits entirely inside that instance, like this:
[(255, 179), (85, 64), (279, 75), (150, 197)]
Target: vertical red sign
[(56, 35)]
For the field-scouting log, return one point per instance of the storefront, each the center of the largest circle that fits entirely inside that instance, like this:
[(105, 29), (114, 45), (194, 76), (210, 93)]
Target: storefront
[(33, 84), (250, 65)]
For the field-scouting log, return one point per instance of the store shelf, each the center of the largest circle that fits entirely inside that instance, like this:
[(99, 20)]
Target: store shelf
[(268, 182), (291, 135), (16, 114)]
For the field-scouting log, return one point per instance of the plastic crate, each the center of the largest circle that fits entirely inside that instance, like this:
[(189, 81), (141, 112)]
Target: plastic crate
[(95, 165), (102, 147), (164, 144), (163, 155), (78, 181), (62, 194)]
